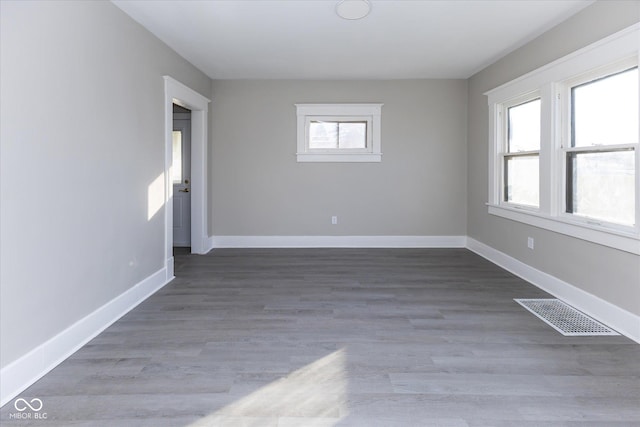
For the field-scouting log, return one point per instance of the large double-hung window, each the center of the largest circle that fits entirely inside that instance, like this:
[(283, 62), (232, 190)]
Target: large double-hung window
[(564, 145), (601, 150)]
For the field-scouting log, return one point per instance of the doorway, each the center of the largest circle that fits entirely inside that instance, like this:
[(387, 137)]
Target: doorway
[(179, 94), (181, 176)]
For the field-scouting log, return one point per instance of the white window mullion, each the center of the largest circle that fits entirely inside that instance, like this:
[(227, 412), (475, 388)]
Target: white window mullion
[(637, 152), (495, 151), (547, 175), (563, 135)]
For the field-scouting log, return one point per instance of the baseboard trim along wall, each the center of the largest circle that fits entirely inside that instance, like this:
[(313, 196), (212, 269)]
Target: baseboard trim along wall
[(28, 369), (622, 321), (337, 242)]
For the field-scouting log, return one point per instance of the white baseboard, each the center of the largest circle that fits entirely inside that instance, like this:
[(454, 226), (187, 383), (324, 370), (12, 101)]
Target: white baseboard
[(624, 322), (169, 271), (209, 244), (28, 369), (337, 242)]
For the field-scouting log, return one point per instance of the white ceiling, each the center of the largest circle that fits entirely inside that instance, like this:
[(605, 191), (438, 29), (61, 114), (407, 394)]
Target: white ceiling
[(305, 39)]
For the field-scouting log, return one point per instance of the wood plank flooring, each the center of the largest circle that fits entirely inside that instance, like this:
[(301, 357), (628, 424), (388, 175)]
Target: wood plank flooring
[(340, 337)]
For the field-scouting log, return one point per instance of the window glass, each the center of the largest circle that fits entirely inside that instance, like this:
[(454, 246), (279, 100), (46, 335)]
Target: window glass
[(601, 185), (176, 174), (353, 135), (327, 135), (521, 180), (323, 135), (605, 111), (524, 127)]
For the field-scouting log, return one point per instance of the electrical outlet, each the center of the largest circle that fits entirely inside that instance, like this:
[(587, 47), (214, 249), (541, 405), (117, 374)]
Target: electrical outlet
[(334, 220), (530, 242)]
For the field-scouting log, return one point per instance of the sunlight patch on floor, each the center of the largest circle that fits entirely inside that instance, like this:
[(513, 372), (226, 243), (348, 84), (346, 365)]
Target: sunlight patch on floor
[(314, 395)]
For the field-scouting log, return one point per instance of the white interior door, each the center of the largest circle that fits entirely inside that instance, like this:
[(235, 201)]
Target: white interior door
[(181, 176)]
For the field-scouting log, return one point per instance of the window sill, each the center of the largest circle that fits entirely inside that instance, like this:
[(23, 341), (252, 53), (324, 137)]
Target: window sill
[(621, 240), (340, 157)]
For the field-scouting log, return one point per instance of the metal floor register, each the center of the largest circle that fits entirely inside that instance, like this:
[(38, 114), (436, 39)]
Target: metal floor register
[(564, 318)]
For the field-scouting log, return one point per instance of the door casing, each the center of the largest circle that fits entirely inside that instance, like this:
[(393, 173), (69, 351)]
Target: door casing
[(177, 93)]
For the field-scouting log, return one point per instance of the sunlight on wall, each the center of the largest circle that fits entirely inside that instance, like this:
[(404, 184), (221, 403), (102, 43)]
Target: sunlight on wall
[(315, 394), (155, 196)]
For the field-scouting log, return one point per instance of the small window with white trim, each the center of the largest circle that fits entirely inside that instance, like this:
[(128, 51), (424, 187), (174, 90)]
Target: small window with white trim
[(338, 132)]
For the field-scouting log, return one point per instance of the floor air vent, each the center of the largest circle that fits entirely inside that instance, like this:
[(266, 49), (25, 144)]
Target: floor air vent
[(564, 318)]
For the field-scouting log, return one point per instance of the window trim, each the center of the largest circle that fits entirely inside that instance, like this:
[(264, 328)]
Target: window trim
[(371, 113), (550, 81)]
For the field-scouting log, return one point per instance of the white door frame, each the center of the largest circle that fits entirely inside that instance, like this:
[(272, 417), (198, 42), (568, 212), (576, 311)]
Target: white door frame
[(176, 92)]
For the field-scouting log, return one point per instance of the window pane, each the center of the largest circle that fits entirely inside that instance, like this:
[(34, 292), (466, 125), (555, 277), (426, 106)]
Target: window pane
[(353, 135), (176, 174), (521, 180), (601, 185), (605, 111), (323, 135), (524, 127)]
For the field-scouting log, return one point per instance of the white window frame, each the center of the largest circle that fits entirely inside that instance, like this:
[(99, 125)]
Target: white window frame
[(369, 113), (551, 83), (564, 103), (504, 143)]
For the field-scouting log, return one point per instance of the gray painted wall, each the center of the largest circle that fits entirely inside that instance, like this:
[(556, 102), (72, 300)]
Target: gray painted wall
[(82, 112), (607, 273), (258, 188)]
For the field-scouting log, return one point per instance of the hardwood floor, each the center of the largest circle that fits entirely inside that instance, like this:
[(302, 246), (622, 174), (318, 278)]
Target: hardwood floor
[(340, 337)]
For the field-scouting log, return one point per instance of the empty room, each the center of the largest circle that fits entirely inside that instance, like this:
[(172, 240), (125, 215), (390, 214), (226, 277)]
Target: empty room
[(319, 213)]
